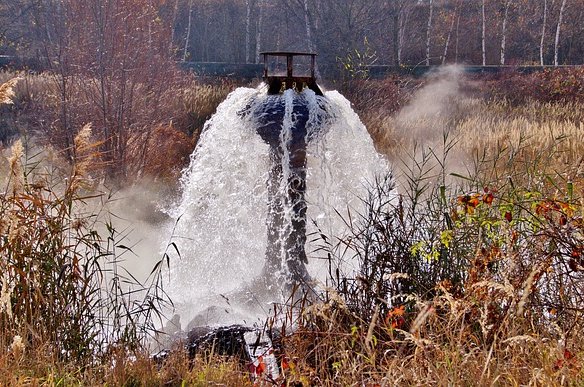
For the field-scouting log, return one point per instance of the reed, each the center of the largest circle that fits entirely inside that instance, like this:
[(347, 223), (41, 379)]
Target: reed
[(64, 299), (473, 282), (470, 268)]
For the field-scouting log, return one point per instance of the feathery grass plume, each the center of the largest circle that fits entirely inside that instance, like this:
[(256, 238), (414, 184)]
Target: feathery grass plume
[(83, 158), (7, 91), (82, 138), (17, 346), (5, 294), (16, 171)]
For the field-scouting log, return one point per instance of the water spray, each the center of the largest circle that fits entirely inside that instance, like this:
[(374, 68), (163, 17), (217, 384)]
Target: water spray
[(288, 118), (274, 165)]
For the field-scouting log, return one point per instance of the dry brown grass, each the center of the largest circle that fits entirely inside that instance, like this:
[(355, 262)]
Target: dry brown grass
[(442, 342), (35, 368), (510, 216), (512, 227), (481, 130), (161, 123)]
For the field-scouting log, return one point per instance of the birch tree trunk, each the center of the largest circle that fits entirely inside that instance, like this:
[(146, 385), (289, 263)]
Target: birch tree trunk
[(454, 17), (247, 29), (172, 27), (557, 41), (307, 25), (403, 22), (395, 36), (457, 38), (188, 37), (259, 30), (483, 48), (429, 33), (543, 27), (504, 32)]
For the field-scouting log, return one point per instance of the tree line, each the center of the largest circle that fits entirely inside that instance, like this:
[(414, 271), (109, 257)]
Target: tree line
[(394, 32), (113, 62)]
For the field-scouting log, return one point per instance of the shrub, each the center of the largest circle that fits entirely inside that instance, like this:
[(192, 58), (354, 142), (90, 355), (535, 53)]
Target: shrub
[(62, 288), (550, 85), (463, 281)]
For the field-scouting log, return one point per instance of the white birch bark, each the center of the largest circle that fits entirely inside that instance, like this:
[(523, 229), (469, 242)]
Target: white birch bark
[(188, 37), (172, 29), (307, 25), (429, 33), (454, 17), (483, 33), (259, 30), (247, 29), (557, 41), (543, 28), (457, 38), (504, 32), (403, 22)]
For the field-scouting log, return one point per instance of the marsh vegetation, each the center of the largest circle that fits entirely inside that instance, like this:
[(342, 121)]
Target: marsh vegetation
[(471, 255)]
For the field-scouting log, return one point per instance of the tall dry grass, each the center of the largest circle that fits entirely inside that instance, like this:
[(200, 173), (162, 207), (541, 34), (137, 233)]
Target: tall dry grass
[(170, 144), (471, 268), (470, 272), (65, 301), (157, 133)]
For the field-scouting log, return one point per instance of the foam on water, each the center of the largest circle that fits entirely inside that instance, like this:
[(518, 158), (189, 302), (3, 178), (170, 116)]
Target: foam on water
[(221, 231)]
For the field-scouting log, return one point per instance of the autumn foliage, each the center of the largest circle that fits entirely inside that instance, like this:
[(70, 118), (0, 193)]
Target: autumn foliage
[(557, 85), (491, 288), (467, 273)]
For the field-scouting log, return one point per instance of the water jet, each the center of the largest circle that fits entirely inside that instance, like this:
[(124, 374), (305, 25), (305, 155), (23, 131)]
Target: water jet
[(273, 166), (288, 119)]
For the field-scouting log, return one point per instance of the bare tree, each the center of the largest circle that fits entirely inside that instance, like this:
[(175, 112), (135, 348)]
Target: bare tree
[(15, 20), (111, 63), (307, 26), (504, 30), (457, 37), (188, 37), (173, 21), (483, 33), (248, 5), (543, 28), (429, 31), (455, 17), (259, 28), (397, 31), (398, 12), (558, 27)]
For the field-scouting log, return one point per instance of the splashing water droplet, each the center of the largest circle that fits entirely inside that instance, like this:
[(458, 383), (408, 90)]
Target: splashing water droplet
[(236, 253)]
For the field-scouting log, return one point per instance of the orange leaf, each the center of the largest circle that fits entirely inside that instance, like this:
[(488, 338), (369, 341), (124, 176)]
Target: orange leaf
[(261, 367), (399, 311), (488, 198)]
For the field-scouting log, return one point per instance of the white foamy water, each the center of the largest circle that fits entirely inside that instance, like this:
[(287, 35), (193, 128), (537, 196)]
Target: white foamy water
[(221, 231)]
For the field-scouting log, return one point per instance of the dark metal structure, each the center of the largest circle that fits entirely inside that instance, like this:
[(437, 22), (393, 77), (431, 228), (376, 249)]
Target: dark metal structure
[(281, 77), (288, 118), (286, 186)]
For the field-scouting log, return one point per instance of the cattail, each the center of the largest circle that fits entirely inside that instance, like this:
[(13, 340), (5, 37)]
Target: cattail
[(16, 171), (7, 91)]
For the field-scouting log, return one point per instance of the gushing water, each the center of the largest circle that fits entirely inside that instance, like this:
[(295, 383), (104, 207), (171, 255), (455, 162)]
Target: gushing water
[(236, 254)]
